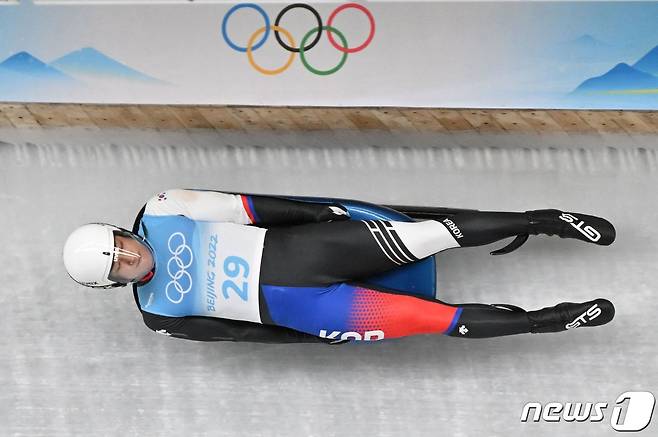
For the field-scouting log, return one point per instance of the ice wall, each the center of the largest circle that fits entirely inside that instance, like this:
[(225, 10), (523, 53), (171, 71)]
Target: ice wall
[(81, 362)]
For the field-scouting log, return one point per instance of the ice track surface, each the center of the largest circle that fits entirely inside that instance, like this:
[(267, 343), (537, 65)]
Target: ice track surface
[(80, 362)]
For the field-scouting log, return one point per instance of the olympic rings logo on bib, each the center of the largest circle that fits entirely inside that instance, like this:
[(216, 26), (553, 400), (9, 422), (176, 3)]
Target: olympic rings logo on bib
[(180, 287), (304, 45)]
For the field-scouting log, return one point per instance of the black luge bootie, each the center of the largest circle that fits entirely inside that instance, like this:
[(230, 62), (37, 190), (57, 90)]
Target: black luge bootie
[(582, 227), (569, 315)]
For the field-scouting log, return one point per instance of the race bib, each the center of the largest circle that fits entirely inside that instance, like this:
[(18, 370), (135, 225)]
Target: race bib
[(202, 268)]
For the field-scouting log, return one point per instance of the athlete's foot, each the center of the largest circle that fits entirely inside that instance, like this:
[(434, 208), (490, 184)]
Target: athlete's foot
[(583, 227), (568, 315)]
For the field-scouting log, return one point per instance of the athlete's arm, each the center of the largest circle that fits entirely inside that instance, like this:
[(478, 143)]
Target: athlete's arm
[(238, 208), (215, 329)]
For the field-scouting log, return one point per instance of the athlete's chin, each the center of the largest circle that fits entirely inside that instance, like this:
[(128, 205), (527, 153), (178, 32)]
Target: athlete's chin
[(145, 266)]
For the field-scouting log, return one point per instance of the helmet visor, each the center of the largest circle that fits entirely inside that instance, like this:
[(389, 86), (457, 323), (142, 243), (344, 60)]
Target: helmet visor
[(131, 258)]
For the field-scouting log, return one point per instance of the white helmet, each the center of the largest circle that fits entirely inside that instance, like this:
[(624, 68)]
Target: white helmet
[(88, 254)]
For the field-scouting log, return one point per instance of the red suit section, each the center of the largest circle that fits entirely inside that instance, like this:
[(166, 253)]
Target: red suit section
[(398, 315)]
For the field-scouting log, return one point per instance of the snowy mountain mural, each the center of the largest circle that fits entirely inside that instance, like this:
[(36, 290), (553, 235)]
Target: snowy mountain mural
[(649, 62), (621, 77), (88, 63), (639, 79), (23, 75), (585, 48), (588, 42), (24, 63)]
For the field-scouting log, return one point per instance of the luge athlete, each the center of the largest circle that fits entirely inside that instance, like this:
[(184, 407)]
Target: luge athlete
[(208, 265)]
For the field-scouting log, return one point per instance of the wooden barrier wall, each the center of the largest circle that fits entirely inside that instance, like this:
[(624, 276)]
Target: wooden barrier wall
[(252, 118)]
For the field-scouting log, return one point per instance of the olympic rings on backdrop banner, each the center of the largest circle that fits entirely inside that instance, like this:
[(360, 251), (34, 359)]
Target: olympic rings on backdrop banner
[(304, 47), (250, 49), (282, 13)]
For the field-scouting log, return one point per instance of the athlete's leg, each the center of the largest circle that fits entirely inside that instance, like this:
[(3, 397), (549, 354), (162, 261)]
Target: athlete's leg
[(326, 253), (482, 321), (365, 312)]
